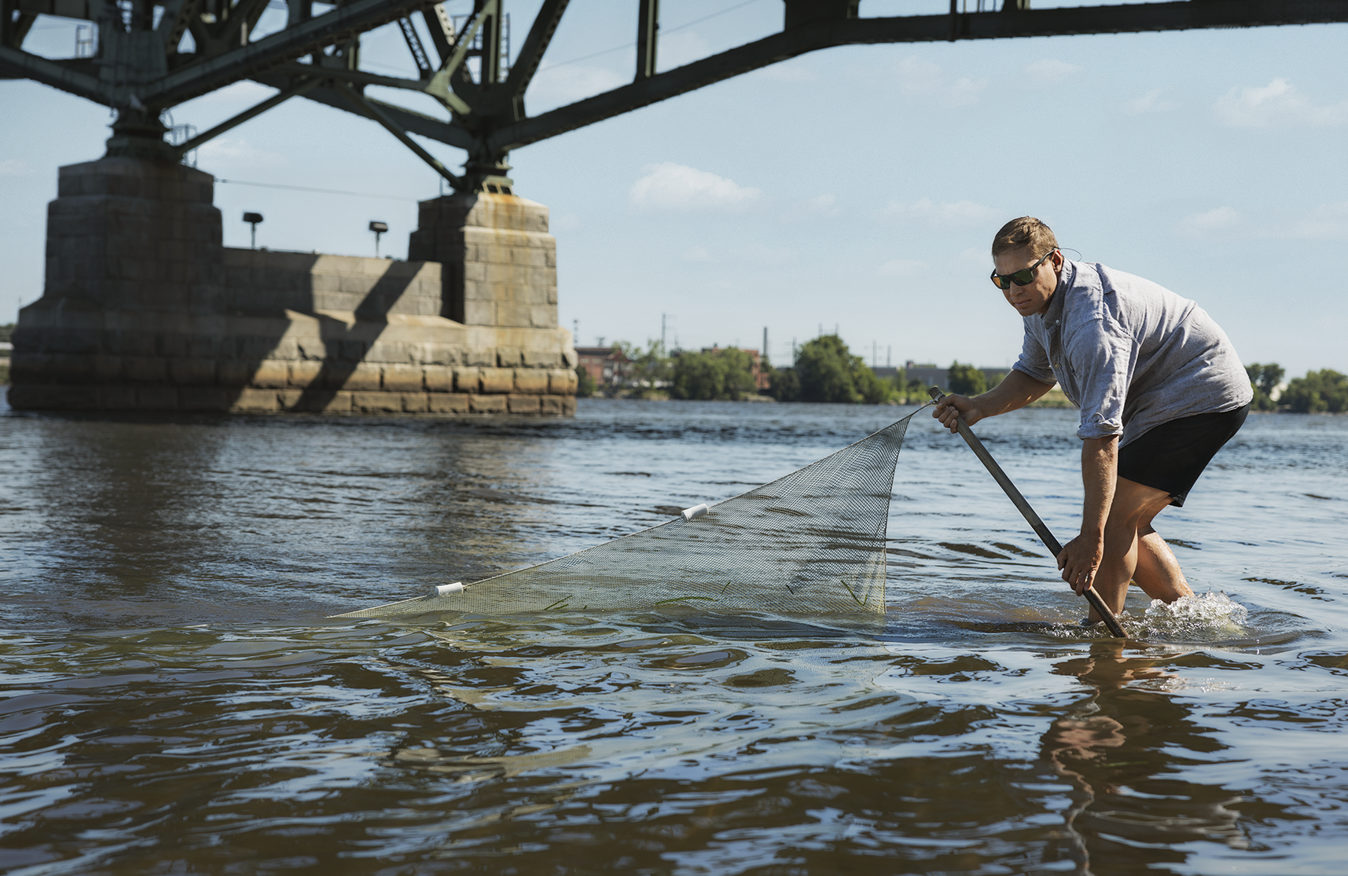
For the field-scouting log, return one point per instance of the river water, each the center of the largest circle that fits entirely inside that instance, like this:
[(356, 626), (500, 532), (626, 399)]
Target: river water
[(176, 699)]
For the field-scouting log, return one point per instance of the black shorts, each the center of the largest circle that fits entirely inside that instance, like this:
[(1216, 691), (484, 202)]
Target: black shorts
[(1172, 455)]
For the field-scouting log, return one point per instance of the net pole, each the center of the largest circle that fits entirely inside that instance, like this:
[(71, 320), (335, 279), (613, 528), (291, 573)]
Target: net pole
[(1036, 523)]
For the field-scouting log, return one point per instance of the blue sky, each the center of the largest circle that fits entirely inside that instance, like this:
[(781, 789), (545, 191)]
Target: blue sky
[(857, 187)]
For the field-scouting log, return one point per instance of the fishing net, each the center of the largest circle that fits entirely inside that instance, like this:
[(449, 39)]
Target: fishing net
[(810, 542)]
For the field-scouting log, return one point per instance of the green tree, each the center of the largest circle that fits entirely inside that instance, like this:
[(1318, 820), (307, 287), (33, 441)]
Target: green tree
[(585, 385), (739, 378), (966, 379), (828, 372), (1264, 379), (649, 370), (784, 385), (713, 375), (1317, 392), (872, 389)]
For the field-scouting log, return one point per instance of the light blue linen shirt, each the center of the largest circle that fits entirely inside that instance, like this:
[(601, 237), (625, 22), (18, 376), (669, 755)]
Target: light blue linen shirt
[(1130, 353)]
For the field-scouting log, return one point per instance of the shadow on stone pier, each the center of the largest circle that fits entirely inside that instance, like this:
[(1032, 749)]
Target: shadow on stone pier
[(144, 309)]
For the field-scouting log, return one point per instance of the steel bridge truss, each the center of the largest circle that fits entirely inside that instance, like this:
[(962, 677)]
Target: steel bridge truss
[(153, 55)]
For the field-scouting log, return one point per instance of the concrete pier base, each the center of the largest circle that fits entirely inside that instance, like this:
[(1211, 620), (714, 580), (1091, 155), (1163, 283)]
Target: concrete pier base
[(144, 309)]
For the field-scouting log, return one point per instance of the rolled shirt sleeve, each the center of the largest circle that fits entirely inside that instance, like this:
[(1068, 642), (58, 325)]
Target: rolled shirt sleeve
[(1130, 354), (1102, 358)]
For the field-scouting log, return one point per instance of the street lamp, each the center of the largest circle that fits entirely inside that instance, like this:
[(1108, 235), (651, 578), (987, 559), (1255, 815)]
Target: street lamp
[(252, 219), (378, 228)]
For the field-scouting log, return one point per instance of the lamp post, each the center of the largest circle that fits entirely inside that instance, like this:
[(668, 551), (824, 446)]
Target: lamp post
[(378, 228), (252, 219)]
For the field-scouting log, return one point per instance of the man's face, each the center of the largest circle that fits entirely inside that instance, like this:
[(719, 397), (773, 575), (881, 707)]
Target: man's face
[(1032, 298)]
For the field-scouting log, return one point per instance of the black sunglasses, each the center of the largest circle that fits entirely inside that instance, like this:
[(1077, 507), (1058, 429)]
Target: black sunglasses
[(1020, 278)]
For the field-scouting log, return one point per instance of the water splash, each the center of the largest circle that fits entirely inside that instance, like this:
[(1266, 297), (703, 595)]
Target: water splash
[(1210, 617)]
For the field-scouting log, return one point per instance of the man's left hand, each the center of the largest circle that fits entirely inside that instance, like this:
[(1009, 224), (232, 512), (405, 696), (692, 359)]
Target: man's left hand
[(1079, 560)]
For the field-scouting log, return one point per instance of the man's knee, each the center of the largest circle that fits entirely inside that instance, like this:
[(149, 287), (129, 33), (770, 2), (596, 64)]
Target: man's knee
[(1136, 504)]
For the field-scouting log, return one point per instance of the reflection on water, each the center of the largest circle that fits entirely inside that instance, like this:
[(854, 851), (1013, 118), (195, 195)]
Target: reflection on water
[(1121, 747), (173, 700)]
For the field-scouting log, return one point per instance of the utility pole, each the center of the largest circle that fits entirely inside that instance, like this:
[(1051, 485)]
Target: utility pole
[(662, 322), (764, 354)]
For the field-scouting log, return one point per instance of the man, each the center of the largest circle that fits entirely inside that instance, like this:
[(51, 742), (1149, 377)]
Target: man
[(1160, 390)]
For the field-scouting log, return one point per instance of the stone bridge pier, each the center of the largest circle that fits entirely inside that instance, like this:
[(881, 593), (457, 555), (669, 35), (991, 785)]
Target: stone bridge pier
[(144, 309)]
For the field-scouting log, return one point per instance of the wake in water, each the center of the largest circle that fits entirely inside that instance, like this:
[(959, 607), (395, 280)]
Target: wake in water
[(1211, 617)]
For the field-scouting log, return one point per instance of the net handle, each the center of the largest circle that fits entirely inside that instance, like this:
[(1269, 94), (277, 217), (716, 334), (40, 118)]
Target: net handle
[(1036, 523)]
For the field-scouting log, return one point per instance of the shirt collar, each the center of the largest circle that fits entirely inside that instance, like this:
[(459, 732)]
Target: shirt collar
[(1056, 304)]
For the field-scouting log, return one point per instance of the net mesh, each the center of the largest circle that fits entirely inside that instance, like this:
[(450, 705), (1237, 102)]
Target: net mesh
[(810, 542)]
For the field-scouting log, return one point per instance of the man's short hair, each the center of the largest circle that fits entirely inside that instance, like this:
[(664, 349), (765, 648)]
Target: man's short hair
[(1025, 231)]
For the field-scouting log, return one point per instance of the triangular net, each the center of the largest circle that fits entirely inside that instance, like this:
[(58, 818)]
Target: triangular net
[(810, 542)]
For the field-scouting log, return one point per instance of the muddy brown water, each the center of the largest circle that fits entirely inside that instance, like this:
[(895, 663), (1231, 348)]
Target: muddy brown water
[(175, 699)]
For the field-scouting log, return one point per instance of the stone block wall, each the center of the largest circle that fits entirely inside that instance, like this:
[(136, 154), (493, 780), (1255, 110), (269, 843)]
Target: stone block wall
[(260, 280), (177, 324), (131, 233), (500, 262), (288, 361)]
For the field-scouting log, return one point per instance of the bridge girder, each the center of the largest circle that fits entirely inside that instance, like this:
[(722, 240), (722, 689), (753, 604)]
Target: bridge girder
[(140, 70)]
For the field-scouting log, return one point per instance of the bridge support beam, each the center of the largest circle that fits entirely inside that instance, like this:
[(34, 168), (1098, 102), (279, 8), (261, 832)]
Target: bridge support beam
[(145, 309)]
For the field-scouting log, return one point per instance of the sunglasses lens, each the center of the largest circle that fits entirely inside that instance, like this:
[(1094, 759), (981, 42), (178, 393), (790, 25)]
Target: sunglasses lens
[(1022, 278), (1000, 282)]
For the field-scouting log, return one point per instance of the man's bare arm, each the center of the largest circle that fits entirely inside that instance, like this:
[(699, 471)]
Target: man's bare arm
[(1015, 391), (1080, 557)]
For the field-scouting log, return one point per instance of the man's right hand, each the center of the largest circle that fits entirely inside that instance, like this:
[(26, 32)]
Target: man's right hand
[(952, 407)]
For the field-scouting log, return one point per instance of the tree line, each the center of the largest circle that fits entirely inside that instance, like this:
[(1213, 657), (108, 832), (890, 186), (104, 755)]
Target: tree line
[(1318, 392), (825, 370)]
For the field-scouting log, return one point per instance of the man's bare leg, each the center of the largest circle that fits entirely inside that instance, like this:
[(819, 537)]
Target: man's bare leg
[(1158, 573), (1130, 514)]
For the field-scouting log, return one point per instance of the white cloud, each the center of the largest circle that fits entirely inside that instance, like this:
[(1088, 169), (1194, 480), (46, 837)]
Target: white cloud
[(697, 254), (772, 255), (794, 71), (823, 206), (957, 213), (1216, 219), (1049, 71), (243, 92), (901, 267), (1278, 103), (1151, 102), (680, 48), (918, 79), (15, 167), (1325, 222), (826, 204), (679, 187), (231, 150), (567, 83)]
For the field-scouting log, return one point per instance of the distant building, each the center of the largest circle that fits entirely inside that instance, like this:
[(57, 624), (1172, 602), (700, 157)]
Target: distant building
[(607, 366), (762, 380), (931, 375)]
